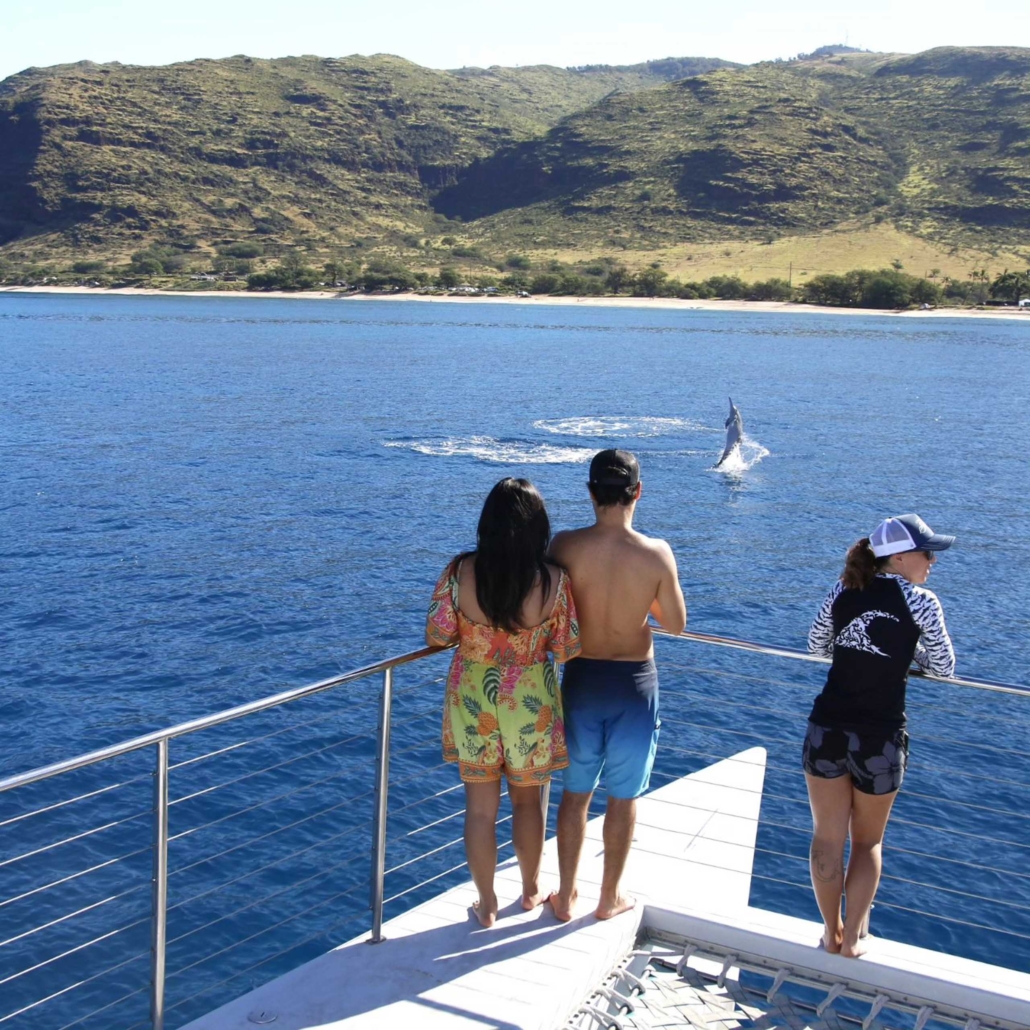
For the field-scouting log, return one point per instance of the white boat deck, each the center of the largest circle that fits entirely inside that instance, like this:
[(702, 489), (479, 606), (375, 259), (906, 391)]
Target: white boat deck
[(690, 868)]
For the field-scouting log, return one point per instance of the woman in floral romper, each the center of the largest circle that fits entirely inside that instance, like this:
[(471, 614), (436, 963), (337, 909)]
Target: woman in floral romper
[(506, 608)]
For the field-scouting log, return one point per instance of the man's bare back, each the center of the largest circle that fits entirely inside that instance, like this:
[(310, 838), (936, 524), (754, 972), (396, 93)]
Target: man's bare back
[(610, 693), (619, 576)]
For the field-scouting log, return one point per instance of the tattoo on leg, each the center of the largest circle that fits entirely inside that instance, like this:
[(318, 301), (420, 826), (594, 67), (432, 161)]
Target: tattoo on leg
[(827, 867)]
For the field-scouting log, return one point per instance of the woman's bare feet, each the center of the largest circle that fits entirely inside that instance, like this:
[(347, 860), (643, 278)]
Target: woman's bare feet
[(832, 939), (563, 906), (853, 948), (621, 903), (485, 913)]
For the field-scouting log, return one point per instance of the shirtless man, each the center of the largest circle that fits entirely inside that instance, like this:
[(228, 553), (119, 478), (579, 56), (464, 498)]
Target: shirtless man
[(610, 693)]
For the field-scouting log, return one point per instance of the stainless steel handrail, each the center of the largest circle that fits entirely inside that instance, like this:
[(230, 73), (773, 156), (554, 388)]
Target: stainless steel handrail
[(804, 656), (160, 740), (207, 721), (378, 877), (262, 704), (159, 905)]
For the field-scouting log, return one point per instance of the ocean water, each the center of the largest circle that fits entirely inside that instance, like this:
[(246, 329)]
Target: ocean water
[(205, 501)]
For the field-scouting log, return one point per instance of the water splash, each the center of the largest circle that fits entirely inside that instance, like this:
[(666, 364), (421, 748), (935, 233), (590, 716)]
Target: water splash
[(488, 448), (743, 457), (614, 425)]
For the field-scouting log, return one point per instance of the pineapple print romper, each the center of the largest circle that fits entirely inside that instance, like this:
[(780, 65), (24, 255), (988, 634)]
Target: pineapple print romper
[(502, 707)]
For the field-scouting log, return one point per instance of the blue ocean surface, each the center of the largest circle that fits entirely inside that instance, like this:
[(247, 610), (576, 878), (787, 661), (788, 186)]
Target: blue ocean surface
[(205, 501)]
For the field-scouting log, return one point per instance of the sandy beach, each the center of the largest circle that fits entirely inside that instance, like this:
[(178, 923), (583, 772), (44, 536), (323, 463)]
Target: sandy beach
[(672, 303)]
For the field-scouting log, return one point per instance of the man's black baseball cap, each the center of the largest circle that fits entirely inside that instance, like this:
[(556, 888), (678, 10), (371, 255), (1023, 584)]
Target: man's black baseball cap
[(614, 468)]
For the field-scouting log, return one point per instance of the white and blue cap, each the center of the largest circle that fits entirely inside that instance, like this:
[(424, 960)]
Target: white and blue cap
[(906, 533)]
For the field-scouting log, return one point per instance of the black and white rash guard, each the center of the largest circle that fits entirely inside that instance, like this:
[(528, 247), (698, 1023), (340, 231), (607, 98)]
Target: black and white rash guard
[(873, 635)]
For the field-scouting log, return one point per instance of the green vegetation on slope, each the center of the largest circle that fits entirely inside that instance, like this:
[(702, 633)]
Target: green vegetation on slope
[(961, 119), (299, 148), (381, 156), (735, 152), (938, 143)]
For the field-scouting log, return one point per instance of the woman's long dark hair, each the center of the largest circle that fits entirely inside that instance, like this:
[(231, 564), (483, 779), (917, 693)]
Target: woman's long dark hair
[(511, 544), (861, 565)]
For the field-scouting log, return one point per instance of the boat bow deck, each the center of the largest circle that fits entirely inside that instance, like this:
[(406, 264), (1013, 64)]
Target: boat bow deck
[(690, 870), (693, 850)]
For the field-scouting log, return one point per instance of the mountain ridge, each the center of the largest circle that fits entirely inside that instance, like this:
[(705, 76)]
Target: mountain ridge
[(372, 152)]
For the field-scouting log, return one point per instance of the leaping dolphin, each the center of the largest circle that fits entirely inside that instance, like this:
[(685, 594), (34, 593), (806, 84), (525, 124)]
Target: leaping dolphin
[(734, 432)]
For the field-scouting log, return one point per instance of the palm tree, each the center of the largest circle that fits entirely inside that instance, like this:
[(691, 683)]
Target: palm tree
[(979, 276), (1011, 285)]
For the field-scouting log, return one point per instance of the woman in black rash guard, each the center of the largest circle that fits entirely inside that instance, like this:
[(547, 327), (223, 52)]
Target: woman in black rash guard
[(874, 622)]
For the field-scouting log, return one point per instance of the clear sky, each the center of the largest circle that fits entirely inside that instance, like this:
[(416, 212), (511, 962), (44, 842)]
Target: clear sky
[(453, 33)]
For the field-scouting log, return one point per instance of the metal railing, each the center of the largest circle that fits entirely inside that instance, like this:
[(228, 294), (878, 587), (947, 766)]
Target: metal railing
[(703, 737), (957, 843), (791, 652), (160, 741)]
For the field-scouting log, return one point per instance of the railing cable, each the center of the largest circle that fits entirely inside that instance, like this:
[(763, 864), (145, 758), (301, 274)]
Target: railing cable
[(429, 797), (79, 912), (267, 801), (270, 958), (271, 865), (65, 990), (75, 876), (265, 836), (268, 769), (109, 1005), (77, 836), (436, 851), (71, 801), (268, 929), (268, 897)]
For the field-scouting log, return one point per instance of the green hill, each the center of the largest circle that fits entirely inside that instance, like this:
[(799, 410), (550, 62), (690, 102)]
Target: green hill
[(937, 143), (737, 152), (377, 153), (292, 149)]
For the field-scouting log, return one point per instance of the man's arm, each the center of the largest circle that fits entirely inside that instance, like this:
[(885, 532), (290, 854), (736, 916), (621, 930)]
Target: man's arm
[(668, 607)]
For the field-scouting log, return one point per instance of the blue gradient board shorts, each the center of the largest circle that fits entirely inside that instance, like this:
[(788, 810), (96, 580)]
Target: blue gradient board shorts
[(611, 725)]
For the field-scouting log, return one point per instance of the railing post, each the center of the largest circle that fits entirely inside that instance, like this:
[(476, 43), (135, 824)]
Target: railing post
[(378, 875), (159, 904), (545, 801)]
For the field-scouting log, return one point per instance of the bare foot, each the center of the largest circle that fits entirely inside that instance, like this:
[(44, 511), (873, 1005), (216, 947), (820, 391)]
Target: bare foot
[(831, 940), (531, 900), (563, 907), (853, 949), (622, 903), (487, 915)]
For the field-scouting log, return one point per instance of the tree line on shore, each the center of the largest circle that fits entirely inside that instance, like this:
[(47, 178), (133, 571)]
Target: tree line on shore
[(889, 288)]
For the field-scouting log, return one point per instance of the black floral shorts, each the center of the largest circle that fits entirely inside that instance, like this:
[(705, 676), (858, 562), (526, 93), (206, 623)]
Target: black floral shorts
[(875, 759)]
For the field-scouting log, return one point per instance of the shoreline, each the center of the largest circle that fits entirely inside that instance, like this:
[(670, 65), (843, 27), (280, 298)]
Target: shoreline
[(669, 303)]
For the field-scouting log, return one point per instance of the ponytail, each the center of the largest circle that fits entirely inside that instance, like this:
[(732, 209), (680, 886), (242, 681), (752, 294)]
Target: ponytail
[(861, 565)]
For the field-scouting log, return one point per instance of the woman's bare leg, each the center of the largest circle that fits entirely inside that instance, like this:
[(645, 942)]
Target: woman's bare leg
[(869, 815), (831, 813), (481, 803), (527, 834)]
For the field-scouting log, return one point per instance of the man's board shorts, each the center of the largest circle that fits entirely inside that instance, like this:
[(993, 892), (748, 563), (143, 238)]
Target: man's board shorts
[(611, 725), (874, 758)]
